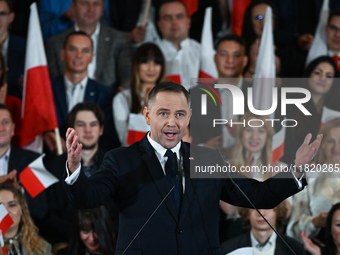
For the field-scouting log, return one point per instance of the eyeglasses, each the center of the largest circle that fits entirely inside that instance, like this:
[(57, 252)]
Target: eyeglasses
[(333, 28)]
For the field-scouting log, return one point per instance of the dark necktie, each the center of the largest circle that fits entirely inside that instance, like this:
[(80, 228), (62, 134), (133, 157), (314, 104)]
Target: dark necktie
[(170, 166), (336, 59)]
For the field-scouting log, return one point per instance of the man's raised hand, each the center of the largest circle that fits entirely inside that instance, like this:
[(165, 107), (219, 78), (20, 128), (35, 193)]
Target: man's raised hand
[(73, 150), (307, 151)]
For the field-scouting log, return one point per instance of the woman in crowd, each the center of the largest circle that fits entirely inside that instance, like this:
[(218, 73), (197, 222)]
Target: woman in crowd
[(252, 148), (332, 246), (22, 236), (321, 73), (310, 206), (147, 70), (92, 234), (252, 31)]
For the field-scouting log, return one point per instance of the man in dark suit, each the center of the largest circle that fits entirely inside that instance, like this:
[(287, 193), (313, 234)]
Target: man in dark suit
[(75, 87), (139, 176), (13, 158), (112, 51), (13, 49), (230, 59), (87, 119), (261, 238)]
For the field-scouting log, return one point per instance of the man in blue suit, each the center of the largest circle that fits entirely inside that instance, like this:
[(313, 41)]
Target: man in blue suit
[(137, 177), (75, 87), (13, 49)]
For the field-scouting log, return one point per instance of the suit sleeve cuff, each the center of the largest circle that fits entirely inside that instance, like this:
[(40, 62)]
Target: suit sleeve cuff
[(71, 178)]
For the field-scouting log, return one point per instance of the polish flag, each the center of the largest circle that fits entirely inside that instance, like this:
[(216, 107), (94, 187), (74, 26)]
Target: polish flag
[(278, 144), (191, 5), (38, 110), (5, 219), (35, 178), (265, 72), (172, 71), (319, 45), (208, 67), (2, 243), (328, 115), (237, 15), (137, 128)]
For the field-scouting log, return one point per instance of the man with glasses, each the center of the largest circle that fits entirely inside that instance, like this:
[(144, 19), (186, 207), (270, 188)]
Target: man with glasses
[(12, 48), (333, 36)]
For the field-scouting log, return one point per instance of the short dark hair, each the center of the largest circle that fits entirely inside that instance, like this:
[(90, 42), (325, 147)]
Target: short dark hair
[(9, 3), (173, 1), (332, 14), (168, 86), (76, 33), (330, 245), (231, 37), (4, 107), (85, 106)]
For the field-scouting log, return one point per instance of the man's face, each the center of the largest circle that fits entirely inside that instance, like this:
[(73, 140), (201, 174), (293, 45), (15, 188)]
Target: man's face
[(6, 17), (88, 12), (168, 117), (77, 54), (230, 59), (88, 129), (6, 128), (174, 22), (333, 34), (258, 223)]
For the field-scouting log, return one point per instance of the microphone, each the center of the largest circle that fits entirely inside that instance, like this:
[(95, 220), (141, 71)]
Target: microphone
[(238, 187), (167, 194)]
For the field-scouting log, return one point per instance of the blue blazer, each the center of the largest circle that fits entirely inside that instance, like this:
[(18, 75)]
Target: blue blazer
[(134, 177), (16, 64), (96, 93)]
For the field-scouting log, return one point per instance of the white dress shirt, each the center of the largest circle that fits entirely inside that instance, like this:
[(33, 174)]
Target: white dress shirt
[(268, 248), (4, 48), (91, 68), (185, 61), (75, 93), (4, 162)]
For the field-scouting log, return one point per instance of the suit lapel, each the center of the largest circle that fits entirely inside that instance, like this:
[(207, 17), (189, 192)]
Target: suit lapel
[(104, 42), (60, 98), (190, 184), (90, 92), (155, 169)]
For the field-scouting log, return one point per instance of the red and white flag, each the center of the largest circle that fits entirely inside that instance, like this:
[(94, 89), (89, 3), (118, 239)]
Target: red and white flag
[(2, 243), (137, 128), (5, 220), (328, 115), (208, 67), (265, 72), (192, 6), (172, 71), (35, 178), (38, 110), (238, 10), (319, 45), (278, 144)]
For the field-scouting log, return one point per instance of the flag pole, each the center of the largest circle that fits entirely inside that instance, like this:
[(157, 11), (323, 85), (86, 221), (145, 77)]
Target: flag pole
[(58, 142), (146, 12)]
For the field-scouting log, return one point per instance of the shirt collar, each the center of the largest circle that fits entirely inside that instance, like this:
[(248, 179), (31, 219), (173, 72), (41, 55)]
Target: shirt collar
[(70, 85), (271, 241), (95, 33), (6, 155), (184, 44), (332, 54), (160, 150)]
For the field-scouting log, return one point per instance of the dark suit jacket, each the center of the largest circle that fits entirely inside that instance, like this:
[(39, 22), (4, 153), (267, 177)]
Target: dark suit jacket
[(18, 160), (199, 123), (96, 93), (280, 249), (134, 177), (16, 64), (113, 66)]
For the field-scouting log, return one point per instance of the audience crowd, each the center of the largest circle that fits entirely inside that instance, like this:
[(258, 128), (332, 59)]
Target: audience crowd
[(103, 60)]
